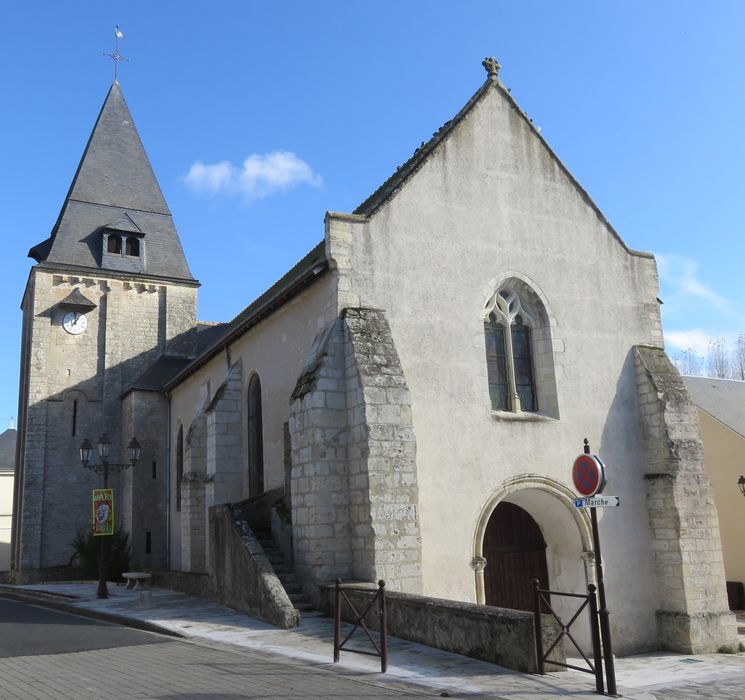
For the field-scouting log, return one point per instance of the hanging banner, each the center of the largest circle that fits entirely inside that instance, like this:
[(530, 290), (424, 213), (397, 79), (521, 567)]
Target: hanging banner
[(103, 512)]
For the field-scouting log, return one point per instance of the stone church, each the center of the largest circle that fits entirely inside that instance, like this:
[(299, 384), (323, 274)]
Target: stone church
[(405, 403)]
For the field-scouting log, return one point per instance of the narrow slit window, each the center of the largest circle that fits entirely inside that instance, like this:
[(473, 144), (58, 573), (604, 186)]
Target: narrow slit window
[(155, 470), (148, 542), (179, 465), (74, 417)]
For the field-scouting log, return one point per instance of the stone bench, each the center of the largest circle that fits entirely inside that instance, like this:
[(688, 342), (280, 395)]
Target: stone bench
[(135, 579)]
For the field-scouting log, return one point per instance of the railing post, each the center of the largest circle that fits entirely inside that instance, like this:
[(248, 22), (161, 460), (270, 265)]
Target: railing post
[(597, 656), (383, 628), (337, 619), (540, 666)]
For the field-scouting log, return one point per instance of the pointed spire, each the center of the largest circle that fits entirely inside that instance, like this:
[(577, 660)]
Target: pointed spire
[(114, 184)]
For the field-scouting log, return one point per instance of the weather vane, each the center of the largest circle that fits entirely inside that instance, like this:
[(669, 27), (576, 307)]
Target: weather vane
[(116, 56)]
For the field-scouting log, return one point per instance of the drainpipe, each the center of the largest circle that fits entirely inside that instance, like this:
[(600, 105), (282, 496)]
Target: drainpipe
[(168, 484)]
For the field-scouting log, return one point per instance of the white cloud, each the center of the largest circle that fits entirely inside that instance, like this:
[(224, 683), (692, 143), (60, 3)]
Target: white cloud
[(679, 275), (696, 339), (258, 177)]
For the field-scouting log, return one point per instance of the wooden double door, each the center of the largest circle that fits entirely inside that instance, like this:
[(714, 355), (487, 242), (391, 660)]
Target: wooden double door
[(515, 553)]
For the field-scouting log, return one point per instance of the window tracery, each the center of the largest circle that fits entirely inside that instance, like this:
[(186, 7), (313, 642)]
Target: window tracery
[(509, 354)]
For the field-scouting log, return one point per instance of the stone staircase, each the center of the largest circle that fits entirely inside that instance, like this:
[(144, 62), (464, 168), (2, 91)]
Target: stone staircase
[(286, 575)]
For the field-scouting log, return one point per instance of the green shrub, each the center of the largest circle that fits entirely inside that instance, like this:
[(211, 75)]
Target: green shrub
[(88, 549)]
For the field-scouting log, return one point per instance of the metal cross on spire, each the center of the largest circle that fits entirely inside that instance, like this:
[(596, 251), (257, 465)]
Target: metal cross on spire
[(116, 56)]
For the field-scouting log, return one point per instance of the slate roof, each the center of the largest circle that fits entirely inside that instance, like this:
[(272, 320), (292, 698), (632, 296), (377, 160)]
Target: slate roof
[(293, 282), (113, 186), (8, 449), (159, 373), (723, 399)]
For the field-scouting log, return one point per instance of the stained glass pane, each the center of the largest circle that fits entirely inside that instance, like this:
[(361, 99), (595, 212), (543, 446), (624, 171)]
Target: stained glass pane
[(523, 365), (496, 364)]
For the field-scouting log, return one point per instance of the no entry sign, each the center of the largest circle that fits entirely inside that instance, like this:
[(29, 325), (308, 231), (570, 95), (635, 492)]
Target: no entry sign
[(588, 475)]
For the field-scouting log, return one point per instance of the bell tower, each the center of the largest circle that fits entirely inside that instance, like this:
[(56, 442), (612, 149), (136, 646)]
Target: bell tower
[(109, 306)]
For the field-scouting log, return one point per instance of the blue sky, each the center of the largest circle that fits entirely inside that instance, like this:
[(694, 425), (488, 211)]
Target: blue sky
[(259, 117)]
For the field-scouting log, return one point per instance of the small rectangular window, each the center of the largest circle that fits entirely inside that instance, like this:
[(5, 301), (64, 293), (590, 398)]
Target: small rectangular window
[(155, 470), (148, 542)]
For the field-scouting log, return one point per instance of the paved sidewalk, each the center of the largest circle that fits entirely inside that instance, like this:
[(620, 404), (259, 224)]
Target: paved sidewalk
[(643, 677)]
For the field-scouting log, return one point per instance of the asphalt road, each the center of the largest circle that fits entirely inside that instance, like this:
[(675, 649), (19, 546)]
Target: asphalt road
[(50, 655), (29, 630)]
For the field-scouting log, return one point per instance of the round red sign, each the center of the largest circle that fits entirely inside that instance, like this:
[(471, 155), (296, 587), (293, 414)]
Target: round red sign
[(588, 475)]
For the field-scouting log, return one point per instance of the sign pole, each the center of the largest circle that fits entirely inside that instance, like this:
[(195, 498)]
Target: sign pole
[(603, 614)]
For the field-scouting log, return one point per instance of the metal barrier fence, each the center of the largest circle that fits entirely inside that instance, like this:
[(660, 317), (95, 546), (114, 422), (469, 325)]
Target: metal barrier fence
[(381, 650), (588, 601)]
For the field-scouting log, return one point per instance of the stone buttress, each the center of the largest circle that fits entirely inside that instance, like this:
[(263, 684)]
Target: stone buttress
[(693, 615), (354, 486)]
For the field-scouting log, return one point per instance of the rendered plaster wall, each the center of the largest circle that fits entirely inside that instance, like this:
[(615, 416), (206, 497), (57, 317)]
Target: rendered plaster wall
[(132, 323), (693, 615), (723, 457), (275, 349), (6, 514), (492, 206)]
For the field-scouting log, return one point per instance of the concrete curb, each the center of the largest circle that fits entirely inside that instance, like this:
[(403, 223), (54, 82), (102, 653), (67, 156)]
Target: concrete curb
[(56, 602)]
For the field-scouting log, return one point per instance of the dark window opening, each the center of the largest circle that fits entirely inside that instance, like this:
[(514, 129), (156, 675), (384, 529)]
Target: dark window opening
[(523, 365), (133, 247), (114, 244), (74, 417), (148, 542), (255, 439), (179, 465), (155, 470), (496, 364)]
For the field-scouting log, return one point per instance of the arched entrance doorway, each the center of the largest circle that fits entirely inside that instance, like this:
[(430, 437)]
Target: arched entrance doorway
[(515, 553)]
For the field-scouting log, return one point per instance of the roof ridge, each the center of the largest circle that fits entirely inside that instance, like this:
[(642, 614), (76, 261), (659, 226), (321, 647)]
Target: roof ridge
[(397, 180)]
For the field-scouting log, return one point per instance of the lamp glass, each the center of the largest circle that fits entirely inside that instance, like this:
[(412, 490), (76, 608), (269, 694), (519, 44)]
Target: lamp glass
[(86, 451), (133, 450), (741, 485), (104, 445)]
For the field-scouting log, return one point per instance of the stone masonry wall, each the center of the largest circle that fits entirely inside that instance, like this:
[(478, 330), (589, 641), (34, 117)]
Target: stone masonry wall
[(71, 388), (693, 615), (193, 497), (319, 476), (382, 456), (354, 491), (143, 487), (224, 447)]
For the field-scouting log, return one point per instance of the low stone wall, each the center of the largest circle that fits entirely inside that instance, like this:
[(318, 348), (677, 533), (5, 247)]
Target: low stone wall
[(500, 636), (197, 585), (243, 577)]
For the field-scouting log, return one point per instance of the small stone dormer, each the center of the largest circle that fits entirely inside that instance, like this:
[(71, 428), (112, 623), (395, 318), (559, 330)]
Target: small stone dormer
[(123, 246)]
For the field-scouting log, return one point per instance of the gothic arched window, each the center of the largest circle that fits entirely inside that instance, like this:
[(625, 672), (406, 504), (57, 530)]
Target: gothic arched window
[(179, 465), (133, 247), (509, 355), (255, 439)]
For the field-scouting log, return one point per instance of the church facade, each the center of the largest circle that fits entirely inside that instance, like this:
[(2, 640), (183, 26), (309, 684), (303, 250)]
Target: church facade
[(415, 389)]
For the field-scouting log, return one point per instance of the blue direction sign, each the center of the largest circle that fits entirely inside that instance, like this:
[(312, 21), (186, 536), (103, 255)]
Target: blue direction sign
[(597, 502)]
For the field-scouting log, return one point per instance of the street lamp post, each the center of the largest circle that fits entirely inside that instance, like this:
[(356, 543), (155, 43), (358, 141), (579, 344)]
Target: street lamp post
[(105, 467)]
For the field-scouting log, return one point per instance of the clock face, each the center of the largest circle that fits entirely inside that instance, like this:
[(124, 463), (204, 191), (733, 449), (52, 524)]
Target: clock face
[(74, 322)]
